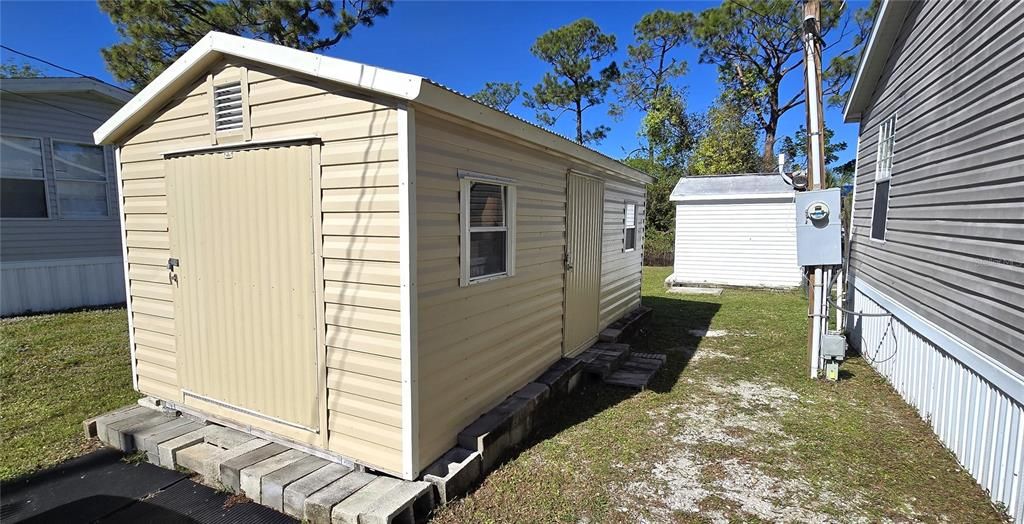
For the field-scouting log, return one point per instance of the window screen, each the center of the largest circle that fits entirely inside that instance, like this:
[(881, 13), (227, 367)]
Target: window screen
[(883, 177), (22, 186), (488, 232), (81, 176), (629, 236)]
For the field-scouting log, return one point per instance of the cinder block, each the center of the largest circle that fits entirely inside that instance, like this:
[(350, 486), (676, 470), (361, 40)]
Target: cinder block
[(454, 474), (535, 392), (520, 414), (489, 435), (139, 437), (208, 465), (400, 504), (168, 450), (610, 335), (252, 476), (196, 458), (231, 469), (347, 511), (272, 489), (227, 438), (151, 442), (98, 425), (319, 505), (122, 433), (296, 493), (562, 377)]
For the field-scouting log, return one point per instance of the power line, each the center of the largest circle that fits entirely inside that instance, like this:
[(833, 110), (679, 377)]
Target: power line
[(47, 62), (45, 103)]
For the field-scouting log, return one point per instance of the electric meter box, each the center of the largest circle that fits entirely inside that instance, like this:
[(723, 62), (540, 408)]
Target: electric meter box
[(819, 228)]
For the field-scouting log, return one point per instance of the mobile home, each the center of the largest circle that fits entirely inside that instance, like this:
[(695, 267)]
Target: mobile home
[(353, 259), (59, 244), (937, 242)]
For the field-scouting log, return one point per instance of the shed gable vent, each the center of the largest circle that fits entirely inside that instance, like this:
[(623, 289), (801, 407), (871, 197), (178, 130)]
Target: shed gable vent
[(227, 107)]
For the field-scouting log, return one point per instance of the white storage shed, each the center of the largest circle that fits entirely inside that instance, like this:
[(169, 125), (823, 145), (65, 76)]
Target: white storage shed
[(735, 230)]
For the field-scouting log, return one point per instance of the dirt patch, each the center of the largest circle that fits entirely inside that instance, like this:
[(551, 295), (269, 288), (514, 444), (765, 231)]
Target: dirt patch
[(707, 470)]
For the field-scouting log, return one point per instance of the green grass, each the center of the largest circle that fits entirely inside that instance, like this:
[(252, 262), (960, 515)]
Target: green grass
[(848, 450), (57, 370)]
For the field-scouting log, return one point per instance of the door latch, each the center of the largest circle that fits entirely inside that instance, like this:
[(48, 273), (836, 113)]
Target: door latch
[(568, 261), (172, 263)]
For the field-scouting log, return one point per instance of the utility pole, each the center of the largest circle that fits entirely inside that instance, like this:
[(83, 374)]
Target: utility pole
[(816, 311)]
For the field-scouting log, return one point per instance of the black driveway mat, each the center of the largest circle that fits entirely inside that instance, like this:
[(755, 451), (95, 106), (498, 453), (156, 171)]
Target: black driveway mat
[(101, 487)]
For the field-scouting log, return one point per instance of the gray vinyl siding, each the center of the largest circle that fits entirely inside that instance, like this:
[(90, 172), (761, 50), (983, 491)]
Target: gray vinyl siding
[(52, 238), (954, 243)]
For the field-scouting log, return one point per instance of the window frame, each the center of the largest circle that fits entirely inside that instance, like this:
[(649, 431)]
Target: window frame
[(626, 228), (56, 185), (466, 179), (46, 182), (885, 151)]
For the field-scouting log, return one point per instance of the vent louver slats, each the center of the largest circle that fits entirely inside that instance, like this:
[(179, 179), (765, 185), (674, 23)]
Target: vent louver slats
[(227, 107)]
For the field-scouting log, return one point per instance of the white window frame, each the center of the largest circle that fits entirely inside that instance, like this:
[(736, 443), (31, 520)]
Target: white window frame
[(885, 150), (45, 180), (56, 180), (625, 227), (466, 179)]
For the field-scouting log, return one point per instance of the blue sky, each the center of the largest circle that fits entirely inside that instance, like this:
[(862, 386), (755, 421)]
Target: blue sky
[(460, 44)]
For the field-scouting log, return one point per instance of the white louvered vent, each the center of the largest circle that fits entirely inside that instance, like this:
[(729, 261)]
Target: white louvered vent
[(227, 107)]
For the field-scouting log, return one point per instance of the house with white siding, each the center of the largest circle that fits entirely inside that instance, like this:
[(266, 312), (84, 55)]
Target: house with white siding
[(735, 230), (60, 246), (937, 240)]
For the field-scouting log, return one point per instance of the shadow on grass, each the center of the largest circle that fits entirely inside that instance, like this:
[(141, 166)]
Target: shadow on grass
[(668, 333)]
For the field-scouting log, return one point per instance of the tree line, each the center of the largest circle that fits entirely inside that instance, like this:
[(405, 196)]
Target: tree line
[(755, 45)]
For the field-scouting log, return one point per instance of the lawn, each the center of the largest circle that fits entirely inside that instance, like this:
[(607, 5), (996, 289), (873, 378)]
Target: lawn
[(731, 430), (55, 371)]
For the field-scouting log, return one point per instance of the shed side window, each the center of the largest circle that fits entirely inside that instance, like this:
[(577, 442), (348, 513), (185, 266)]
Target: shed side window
[(629, 228), (883, 177), (81, 176), (488, 229), (22, 184), (227, 107)]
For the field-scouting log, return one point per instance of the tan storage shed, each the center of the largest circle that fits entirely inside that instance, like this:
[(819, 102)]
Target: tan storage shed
[(353, 260)]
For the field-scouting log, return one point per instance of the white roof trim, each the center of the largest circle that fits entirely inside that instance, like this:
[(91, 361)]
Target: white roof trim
[(66, 85), (738, 196), (215, 44), (399, 85), (884, 33)]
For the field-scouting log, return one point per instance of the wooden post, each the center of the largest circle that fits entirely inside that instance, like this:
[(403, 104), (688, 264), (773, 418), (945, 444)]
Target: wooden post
[(815, 166)]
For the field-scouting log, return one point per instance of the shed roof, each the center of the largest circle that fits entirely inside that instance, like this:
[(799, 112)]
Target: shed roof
[(738, 187), (402, 86), (63, 84), (884, 33)]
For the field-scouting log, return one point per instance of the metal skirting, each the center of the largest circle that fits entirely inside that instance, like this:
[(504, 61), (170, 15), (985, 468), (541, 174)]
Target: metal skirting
[(981, 424), (53, 285)]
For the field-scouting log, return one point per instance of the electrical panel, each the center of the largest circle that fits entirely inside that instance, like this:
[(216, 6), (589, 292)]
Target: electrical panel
[(819, 228)]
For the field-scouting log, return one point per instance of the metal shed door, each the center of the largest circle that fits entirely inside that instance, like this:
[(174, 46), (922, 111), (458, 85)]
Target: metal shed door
[(584, 213), (241, 230)]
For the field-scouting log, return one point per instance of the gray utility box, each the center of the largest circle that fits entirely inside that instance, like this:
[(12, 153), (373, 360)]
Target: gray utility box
[(833, 347), (819, 228)]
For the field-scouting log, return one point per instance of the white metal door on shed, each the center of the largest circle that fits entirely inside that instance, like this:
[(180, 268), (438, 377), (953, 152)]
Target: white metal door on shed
[(241, 228), (737, 242), (584, 215)]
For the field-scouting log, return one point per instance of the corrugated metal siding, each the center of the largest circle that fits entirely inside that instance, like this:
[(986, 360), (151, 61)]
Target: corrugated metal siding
[(736, 243), (953, 250), (583, 277), (978, 422), (480, 343), (359, 182), (51, 285), (54, 238), (360, 244), (621, 270), (244, 299)]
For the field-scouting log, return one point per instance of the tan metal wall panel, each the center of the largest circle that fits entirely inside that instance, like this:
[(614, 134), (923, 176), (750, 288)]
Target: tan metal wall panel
[(480, 343), (583, 253), (359, 156), (241, 225), (621, 271)]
